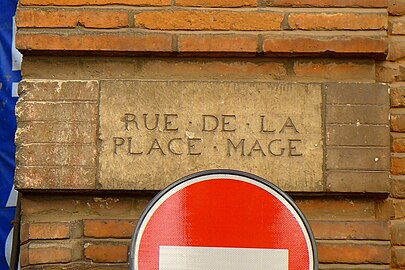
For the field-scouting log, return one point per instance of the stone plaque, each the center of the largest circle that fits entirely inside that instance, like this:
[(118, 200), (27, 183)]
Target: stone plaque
[(155, 132)]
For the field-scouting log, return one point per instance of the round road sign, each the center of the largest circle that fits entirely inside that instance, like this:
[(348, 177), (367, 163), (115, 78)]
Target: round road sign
[(222, 220)]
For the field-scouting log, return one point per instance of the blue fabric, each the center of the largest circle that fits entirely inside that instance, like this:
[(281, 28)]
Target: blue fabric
[(9, 74)]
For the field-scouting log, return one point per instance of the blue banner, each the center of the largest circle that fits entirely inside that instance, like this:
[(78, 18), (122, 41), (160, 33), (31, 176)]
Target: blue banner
[(10, 75)]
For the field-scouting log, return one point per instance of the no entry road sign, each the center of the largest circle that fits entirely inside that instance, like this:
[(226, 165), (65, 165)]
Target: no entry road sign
[(222, 220)]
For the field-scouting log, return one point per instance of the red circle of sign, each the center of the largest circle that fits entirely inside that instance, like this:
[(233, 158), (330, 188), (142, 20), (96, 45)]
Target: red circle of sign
[(223, 210)]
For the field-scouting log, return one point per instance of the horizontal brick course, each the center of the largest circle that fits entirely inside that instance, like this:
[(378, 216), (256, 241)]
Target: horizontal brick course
[(216, 3), (352, 158), (357, 181), (217, 44), (108, 41), (328, 3), (45, 253), (112, 252), (357, 135), (95, 2), (45, 230), (354, 252), (37, 18), (338, 21), (318, 44), (209, 20), (115, 228), (345, 230)]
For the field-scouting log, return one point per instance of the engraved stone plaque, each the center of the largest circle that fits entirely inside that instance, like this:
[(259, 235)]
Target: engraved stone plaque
[(155, 132)]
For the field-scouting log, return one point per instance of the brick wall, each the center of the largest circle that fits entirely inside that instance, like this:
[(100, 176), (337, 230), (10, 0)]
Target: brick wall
[(69, 46)]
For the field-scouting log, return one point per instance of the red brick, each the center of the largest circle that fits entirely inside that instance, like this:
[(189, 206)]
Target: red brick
[(353, 252), (94, 2), (290, 44), (398, 166), (70, 18), (345, 230), (101, 41), (106, 252), (35, 253), (115, 228), (45, 230), (338, 21), (216, 3), (398, 142), (397, 120), (334, 70), (209, 20), (396, 7), (217, 43), (328, 3)]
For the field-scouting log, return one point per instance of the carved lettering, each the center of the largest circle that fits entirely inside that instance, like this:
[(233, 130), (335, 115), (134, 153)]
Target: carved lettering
[(156, 147), (192, 146), (169, 125), (262, 127), (145, 121), (241, 144), (130, 118), (210, 122), (289, 124)]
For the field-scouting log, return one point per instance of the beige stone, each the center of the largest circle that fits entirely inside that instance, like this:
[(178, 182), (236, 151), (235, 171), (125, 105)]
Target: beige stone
[(209, 125)]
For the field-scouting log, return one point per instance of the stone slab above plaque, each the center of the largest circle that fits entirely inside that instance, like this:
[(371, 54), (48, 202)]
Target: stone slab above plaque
[(155, 132)]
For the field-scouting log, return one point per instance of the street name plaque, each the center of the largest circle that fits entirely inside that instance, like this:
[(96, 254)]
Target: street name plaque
[(152, 132)]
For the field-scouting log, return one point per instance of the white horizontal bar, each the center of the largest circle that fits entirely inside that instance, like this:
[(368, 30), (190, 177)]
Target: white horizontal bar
[(214, 258)]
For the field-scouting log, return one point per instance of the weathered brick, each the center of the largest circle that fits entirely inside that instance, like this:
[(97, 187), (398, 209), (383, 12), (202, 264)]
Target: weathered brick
[(396, 49), (45, 230), (397, 94), (396, 7), (357, 135), (56, 132), (386, 71), (114, 228), (218, 44), (214, 69), (357, 181), (398, 257), (216, 3), (399, 208), (336, 44), (398, 165), (334, 70), (60, 177), (82, 207), (397, 120), (328, 3), (353, 251), (56, 111), (338, 21), (40, 253), (56, 154), (398, 233), (352, 158), (52, 90), (357, 114), (337, 209), (397, 186), (356, 94), (111, 41), (396, 25), (345, 230), (56, 18), (95, 2), (106, 251), (209, 20), (397, 142), (340, 266)]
